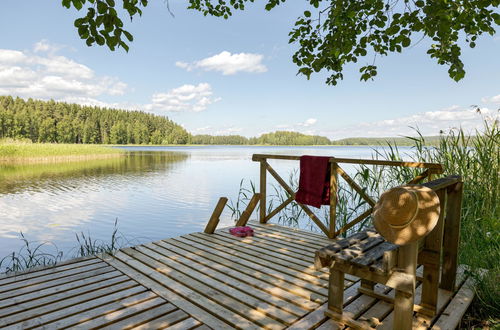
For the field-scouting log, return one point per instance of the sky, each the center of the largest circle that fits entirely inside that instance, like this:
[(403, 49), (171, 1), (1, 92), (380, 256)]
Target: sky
[(236, 76)]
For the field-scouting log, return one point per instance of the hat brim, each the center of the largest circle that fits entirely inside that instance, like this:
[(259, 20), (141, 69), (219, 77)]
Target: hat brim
[(425, 220)]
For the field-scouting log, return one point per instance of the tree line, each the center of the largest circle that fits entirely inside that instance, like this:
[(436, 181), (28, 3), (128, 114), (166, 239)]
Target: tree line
[(60, 122)]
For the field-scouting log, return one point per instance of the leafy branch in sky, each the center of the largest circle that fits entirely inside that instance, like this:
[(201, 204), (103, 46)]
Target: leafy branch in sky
[(335, 33)]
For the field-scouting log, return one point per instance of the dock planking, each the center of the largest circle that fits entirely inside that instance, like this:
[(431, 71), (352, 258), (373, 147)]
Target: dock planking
[(201, 281)]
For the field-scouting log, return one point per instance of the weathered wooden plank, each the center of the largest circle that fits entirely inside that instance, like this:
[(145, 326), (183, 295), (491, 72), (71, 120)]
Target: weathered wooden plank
[(163, 321), (450, 318), (22, 283), (32, 273), (274, 278), (279, 208), (317, 317), (156, 271), (230, 296), (286, 241), (451, 237), (144, 316), (152, 280), (242, 221), (263, 193), (292, 253), (264, 254), (293, 232), (54, 283), (334, 170), (76, 312), (237, 278), (358, 250), (311, 243), (263, 157), (214, 219), (20, 311), (184, 325), (116, 312), (373, 254)]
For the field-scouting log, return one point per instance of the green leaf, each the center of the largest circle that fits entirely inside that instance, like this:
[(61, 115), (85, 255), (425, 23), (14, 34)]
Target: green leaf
[(128, 35)]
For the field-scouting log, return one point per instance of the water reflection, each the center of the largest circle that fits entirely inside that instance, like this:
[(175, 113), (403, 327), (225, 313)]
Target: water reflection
[(155, 192), (50, 178)]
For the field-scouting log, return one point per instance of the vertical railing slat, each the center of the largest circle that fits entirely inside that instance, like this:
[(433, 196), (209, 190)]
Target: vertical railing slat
[(333, 198)]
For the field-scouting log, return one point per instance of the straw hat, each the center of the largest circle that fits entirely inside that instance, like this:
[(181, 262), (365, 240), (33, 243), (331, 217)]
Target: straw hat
[(407, 213)]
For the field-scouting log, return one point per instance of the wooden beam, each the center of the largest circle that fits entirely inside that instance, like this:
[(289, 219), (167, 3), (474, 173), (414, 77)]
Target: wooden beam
[(356, 187), (419, 178), (438, 167), (214, 219), (242, 221), (354, 222), (262, 187), (433, 244), (442, 182), (279, 208), (451, 237), (333, 198), (292, 193)]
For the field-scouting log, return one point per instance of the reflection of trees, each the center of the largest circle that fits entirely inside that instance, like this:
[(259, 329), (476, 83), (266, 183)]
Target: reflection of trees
[(72, 175)]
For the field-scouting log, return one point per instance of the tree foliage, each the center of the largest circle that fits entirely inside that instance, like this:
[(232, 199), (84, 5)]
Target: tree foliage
[(58, 122), (334, 33)]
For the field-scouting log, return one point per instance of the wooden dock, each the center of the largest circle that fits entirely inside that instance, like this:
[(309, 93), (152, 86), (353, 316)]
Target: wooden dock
[(201, 281)]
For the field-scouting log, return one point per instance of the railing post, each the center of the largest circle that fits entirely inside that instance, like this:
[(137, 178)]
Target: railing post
[(333, 198), (242, 221), (451, 236), (262, 188), (214, 219)]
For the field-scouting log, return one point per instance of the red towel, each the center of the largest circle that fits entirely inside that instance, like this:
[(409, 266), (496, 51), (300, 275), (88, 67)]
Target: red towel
[(314, 181)]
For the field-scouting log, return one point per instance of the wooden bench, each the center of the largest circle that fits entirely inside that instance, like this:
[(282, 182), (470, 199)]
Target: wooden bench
[(370, 257)]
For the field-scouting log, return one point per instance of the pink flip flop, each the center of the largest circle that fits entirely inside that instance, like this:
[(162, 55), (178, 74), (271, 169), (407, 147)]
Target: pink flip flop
[(241, 231)]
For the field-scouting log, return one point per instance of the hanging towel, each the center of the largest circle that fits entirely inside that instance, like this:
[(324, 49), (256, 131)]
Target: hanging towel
[(314, 181)]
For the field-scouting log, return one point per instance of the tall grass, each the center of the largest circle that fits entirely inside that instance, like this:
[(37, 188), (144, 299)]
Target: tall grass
[(13, 151), (38, 254)]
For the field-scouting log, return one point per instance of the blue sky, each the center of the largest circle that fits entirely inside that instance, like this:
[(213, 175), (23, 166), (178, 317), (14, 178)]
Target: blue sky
[(236, 76)]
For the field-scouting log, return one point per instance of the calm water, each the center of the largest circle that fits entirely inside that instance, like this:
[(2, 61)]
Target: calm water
[(154, 192)]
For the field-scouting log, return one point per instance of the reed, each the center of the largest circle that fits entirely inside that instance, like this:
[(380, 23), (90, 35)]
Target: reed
[(21, 151), (45, 254)]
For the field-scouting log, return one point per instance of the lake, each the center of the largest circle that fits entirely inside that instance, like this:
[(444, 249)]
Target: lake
[(153, 192)]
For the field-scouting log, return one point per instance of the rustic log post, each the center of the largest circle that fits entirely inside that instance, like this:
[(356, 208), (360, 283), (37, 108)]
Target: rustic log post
[(404, 299), (451, 237), (242, 221), (214, 219), (333, 198), (432, 250), (262, 187)]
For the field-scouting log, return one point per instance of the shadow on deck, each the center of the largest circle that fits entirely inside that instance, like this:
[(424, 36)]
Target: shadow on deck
[(200, 281)]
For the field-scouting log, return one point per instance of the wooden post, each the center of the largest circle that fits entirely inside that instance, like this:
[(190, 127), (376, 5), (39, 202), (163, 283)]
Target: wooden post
[(404, 300), (451, 237), (214, 219), (262, 187), (432, 248), (336, 291), (333, 198), (242, 221)]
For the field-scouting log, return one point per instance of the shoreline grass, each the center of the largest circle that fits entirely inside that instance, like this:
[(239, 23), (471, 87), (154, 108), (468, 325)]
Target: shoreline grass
[(14, 151)]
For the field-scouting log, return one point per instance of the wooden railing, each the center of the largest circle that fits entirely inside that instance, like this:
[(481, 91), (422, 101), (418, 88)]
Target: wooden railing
[(429, 169)]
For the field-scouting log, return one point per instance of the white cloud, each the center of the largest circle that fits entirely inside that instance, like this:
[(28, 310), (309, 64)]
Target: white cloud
[(227, 63), (46, 75), (228, 131), (309, 122), (193, 98), (428, 123), (494, 99), (298, 127)]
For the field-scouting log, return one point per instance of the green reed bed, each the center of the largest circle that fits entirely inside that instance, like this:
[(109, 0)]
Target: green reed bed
[(45, 254), (15, 151)]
